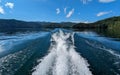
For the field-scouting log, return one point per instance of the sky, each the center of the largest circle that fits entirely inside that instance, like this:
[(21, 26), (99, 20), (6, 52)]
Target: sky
[(59, 10)]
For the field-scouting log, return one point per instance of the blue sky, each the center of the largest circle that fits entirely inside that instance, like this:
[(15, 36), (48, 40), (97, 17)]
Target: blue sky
[(59, 10)]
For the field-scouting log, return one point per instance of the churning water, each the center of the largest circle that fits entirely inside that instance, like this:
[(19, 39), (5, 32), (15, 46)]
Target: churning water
[(62, 58), (59, 52)]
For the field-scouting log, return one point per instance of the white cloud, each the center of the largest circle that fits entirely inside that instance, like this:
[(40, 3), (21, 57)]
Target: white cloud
[(79, 21), (70, 13), (58, 11), (65, 10), (103, 13), (10, 5), (85, 1), (1, 10), (106, 1)]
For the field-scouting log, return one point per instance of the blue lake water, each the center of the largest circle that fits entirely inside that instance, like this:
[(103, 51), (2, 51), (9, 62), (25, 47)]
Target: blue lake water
[(59, 52)]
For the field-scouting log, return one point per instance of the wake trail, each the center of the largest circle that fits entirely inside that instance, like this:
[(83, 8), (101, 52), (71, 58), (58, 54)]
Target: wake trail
[(45, 64), (62, 58), (113, 52)]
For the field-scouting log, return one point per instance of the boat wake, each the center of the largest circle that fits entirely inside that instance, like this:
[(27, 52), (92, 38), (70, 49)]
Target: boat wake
[(62, 58)]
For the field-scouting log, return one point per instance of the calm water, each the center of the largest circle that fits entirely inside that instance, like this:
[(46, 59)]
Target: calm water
[(59, 52)]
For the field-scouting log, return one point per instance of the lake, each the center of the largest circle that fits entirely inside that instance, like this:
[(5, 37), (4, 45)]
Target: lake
[(59, 52)]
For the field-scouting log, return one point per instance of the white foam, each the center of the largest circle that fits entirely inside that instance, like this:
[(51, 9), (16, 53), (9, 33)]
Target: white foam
[(46, 64), (78, 63), (62, 59)]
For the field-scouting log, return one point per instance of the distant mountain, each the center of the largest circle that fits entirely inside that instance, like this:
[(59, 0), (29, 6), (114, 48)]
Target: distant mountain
[(112, 25), (60, 25), (12, 23), (109, 23), (68, 24)]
